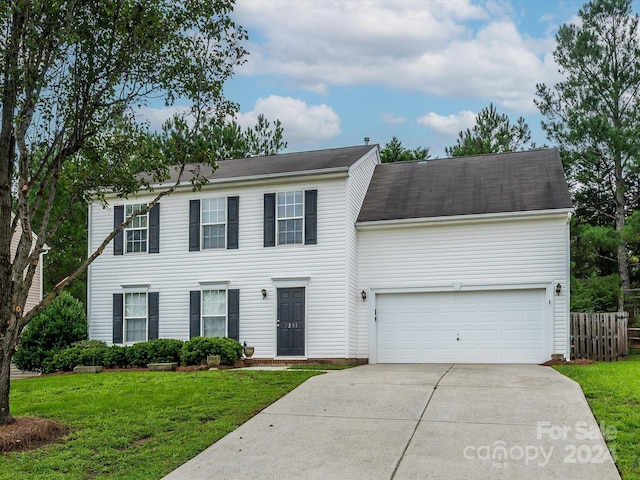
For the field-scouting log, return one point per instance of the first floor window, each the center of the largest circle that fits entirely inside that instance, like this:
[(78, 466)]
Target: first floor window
[(136, 232), (135, 317), (214, 313), (290, 215)]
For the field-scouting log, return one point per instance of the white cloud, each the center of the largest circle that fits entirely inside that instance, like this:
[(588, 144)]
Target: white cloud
[(453, 49), (393, 119), (303, 124), (449, 125)]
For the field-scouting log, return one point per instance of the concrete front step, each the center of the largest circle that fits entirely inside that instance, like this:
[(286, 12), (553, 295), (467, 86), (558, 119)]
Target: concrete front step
[(17, 374)]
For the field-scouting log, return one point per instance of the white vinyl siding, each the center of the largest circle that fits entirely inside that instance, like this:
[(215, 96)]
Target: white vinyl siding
[(174, 272), (214, 216), (500, 254), (214, 313), (357, 185), (136, 233), (35, 292)]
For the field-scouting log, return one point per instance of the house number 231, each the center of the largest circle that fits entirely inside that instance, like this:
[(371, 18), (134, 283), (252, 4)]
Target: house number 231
[(292, 325)]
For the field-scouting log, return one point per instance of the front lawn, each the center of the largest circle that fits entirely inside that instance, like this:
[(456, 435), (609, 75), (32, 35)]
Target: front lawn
[(137, 425), (613, 392)]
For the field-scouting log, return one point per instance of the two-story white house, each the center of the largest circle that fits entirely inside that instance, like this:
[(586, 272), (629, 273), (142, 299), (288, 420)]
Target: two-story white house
[(331, 255)]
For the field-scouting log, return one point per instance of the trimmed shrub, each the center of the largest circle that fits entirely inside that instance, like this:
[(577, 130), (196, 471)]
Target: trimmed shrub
[(66, 359), (159, 350), (63, 322), (139, 354), (196, 350), (92, 356), (230, 350), (89, 344), (86, 352), (116, 357), (164, 350)]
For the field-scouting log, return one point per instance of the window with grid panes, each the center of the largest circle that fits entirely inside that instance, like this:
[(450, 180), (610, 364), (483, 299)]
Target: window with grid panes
[(290, 217)]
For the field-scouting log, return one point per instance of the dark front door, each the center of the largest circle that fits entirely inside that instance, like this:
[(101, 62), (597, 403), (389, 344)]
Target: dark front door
[(290, 322)]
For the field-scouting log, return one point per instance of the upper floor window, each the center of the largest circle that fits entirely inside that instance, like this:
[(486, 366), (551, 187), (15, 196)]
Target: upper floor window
[(214, 214), (136, 232), (213, 223), (290, 217), (135, 317)]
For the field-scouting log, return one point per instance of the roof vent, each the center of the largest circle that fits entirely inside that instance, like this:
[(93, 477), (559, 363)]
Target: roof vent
[(366, 140)]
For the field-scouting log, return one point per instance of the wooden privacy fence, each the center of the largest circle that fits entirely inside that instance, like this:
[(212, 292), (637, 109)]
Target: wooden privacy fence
[(599, 336)]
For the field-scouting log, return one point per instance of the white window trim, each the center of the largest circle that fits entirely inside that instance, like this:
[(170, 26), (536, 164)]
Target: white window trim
[(128, 290), (128, 229), (215, 286), (203, 224), (302, 192), (290, 282)]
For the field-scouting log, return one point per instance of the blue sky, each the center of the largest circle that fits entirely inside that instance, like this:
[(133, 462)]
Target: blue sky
[(335, 71)]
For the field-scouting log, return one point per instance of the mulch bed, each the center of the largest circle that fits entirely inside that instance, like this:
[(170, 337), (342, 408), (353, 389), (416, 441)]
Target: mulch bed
[(28, 433), (577, 361)]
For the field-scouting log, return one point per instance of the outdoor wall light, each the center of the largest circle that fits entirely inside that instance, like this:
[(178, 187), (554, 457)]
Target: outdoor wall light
[(558, 288), (363, 294), (264, 293)]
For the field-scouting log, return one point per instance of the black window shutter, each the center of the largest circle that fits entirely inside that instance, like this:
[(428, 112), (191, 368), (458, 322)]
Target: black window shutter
[(233, 309), (194, 225), (118, 300), (118, 241), (269, 219), (154, 229), (194, 313), (232, 222), (310, 217), (153, 299)]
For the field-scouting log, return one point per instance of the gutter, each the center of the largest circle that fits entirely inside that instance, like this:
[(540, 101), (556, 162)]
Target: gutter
[(452, 219), (324, 174), (253, 178)]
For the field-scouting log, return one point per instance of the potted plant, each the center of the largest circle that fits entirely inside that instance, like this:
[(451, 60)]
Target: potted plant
[(248, 351)]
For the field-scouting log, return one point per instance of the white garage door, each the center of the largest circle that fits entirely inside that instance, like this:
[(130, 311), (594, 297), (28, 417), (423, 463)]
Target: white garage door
[(505, 326)]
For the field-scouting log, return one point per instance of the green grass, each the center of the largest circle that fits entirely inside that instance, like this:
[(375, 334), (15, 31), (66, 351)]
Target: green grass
[(613, 392), (137, 425)]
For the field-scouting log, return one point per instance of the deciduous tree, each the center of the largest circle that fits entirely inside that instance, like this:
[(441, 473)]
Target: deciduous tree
[(72, 74)]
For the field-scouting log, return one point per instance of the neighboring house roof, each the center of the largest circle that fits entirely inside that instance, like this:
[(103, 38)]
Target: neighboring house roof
[(497, 183), (318, 161)]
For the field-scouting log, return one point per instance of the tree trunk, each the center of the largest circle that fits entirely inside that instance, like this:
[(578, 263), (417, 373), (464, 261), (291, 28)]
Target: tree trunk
[(623, 268), (623, 255), (5, 385)]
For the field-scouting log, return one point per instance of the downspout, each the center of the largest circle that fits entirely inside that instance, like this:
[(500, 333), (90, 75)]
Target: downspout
[(89, 243), (568, 285)]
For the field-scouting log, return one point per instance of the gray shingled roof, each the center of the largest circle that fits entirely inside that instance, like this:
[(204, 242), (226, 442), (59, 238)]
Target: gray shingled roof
[(508, 182), (281, 164)]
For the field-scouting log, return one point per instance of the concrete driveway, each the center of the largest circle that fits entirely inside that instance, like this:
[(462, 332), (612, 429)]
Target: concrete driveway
[(417, 422)]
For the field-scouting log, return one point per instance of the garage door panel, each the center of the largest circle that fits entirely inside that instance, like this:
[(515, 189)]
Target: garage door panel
[(482, 326)]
